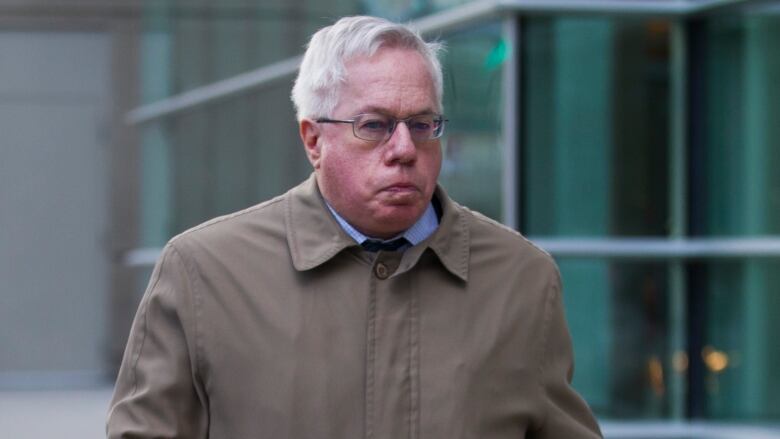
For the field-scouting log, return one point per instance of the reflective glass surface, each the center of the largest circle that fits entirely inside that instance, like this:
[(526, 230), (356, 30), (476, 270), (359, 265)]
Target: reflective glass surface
[(595, 126), (595, 96), (737, 139), (471, 171), (219, 159), (209, 41), (618, 314), (737, 193), (225, 156), (738, 355)]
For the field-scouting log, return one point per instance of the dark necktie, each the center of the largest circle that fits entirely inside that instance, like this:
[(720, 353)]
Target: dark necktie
[(375, 245)]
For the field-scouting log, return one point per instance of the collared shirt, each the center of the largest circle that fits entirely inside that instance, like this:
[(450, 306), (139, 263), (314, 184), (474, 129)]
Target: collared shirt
[(423, 228)]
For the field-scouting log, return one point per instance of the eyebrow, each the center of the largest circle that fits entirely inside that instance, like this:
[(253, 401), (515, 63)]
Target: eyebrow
[(385, 112)]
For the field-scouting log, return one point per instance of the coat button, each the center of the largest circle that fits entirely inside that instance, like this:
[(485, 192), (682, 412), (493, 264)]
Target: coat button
[(381, 271)]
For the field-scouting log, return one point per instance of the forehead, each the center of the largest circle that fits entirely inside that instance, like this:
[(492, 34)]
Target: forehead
[(393, 81)]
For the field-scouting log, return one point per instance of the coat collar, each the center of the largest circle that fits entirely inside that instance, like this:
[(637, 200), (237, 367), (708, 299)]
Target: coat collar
[(451, 241), (314, 236)]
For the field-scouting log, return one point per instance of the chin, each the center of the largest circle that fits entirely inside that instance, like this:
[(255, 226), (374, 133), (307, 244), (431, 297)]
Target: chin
[(400, 221)]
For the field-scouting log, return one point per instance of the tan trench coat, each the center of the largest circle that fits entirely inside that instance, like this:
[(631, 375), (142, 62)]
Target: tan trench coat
[(272, 323)]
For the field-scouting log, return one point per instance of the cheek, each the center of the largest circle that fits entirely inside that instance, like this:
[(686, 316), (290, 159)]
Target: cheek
[(345, 174), (431, 166)]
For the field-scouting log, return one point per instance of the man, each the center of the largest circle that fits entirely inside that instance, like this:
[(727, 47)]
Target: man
[(363, 303)]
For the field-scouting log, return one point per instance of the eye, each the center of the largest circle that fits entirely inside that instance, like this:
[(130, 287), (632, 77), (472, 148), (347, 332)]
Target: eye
[(422, 124), (373, 123)]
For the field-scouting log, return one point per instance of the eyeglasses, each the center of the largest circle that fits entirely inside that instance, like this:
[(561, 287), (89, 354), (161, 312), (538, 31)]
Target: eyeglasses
[(376, 127)]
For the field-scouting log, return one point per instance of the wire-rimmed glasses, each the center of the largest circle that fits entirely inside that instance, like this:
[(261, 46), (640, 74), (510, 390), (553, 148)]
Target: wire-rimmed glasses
[(377, 127)]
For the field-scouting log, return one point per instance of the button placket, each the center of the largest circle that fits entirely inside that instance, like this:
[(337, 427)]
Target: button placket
[(390, 414)]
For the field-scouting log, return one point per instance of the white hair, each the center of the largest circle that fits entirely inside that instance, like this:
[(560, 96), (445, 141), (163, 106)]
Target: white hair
[(322, 72)]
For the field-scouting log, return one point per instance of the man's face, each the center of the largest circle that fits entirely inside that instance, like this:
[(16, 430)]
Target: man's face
[(380, 187)]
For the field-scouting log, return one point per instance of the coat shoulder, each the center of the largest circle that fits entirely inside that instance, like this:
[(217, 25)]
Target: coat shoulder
[(489, 234), (266, 218)]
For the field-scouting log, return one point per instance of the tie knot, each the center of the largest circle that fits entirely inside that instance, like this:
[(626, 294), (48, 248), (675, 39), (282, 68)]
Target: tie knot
[(375, 245)]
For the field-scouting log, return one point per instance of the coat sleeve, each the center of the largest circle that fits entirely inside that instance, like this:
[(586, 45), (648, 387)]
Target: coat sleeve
[(566, 413), (157, 392)]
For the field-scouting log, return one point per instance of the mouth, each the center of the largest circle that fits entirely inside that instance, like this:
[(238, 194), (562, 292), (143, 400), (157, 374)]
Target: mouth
[(400, 188)]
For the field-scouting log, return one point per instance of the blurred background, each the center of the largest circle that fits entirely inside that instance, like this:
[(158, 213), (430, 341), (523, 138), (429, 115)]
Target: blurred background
[(636, 140)]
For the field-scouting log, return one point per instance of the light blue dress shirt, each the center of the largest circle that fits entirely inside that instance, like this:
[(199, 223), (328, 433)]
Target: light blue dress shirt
[(423, 228)]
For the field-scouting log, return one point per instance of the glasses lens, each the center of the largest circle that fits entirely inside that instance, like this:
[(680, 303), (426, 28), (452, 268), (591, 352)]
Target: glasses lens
[(372, 126), (426, 126), (378, 126)]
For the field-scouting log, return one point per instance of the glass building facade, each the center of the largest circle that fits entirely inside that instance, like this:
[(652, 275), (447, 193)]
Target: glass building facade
[(638, 142)]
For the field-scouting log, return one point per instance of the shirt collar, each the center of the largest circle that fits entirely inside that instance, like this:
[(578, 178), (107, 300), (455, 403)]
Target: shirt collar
[(420, 230)]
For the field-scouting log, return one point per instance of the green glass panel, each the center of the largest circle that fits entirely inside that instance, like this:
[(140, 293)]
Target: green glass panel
[(741, 355), (231, 154), (471, 169), (405, 10), (211, 41), (622, 360), (594, 152), (742, 135), (278, 156), (155, 84), (595, 129), (156, 46), (156, 190), (740, 195), (397, 10)]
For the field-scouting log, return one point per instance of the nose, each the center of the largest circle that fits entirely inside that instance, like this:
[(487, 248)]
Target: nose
[(400, 147)]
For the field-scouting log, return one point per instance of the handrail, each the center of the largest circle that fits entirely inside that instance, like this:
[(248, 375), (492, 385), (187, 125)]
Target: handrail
[(214, 91), (659, 248), (688, 429)]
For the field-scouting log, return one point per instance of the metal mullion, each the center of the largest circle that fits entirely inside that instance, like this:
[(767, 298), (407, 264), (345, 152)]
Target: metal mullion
[(510, 126), (678, 204)]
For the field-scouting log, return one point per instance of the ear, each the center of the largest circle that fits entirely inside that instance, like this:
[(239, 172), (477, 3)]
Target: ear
[(310, 135)]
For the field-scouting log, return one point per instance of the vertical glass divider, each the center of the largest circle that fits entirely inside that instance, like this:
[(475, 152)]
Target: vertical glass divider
[(510, 173), (678, 360)]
